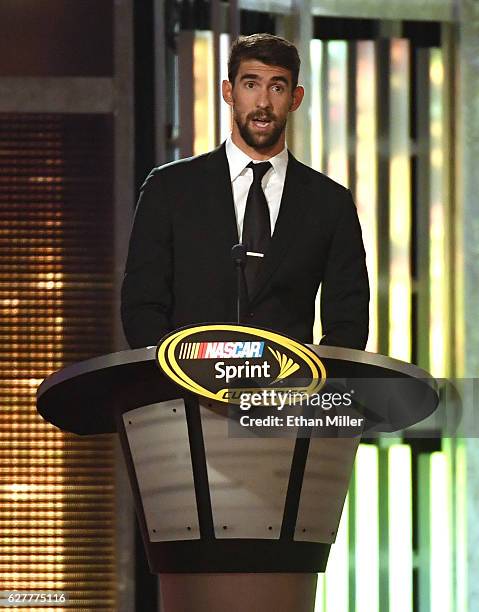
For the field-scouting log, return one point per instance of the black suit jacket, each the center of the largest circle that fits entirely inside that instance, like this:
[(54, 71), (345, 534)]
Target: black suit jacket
[(180, 271)]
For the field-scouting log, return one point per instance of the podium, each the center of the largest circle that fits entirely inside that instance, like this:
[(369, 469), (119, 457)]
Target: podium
[(210, 503)]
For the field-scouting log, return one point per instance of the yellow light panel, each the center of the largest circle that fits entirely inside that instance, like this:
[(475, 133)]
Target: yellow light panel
[(400, 204), (337, 155), (225, 111), (316, 59), (56, 490), (438, 273), (366, 174), (204, 92)]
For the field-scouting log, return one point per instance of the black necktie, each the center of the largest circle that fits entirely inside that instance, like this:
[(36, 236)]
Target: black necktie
[(256, 223)]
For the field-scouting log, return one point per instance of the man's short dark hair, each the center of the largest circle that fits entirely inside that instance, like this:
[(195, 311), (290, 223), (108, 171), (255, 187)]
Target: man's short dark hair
[(266, 48)]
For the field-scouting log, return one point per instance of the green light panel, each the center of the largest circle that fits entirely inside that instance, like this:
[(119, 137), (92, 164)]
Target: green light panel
[(337, 573), (460, 535), (332, 592), (441, 569), (367, 529), (400, 529)]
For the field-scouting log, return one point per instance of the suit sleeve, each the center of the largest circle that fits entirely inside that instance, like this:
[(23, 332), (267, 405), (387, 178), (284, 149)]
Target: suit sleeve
[(146, 295), (345, 287)]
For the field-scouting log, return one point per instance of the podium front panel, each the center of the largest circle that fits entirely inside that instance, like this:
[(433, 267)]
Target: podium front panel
[(248, 480), (158, 439), (325, 485)]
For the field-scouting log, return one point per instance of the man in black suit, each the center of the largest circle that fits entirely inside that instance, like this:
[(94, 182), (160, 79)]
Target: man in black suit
[(300, 228)]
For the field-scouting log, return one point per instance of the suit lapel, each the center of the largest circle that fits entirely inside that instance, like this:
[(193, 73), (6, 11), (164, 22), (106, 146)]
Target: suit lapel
[(219, 204), (294, 203)]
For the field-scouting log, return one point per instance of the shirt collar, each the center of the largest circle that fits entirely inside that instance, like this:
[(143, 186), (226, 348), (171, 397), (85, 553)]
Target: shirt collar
[(238, 160)]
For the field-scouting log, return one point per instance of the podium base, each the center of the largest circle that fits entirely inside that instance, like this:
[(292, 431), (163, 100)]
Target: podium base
[(238, 592)]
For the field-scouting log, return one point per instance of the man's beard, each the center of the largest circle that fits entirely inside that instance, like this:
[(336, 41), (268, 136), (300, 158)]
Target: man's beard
[(258, 140)]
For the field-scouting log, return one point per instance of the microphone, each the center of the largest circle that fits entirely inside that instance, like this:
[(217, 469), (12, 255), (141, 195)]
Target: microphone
[(238, 254)]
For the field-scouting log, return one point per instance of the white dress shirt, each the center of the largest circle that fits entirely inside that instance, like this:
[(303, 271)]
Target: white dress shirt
[(242, 177)]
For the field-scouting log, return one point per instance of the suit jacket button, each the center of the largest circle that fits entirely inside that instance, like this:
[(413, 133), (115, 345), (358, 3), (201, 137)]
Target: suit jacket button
[(251, 314)]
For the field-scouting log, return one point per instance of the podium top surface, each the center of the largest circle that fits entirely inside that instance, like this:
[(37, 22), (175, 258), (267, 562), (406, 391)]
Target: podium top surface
[(83, 398)]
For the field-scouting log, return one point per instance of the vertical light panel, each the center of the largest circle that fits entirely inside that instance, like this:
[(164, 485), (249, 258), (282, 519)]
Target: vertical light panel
[(337, 572), (317, 142), (367, 530), (337, 154), (441, 568), (423, 532), (438, 273), (400, 204), (57, 494), (332, 592), (461, 528), (204, 93), (400, 529), (225, 111), (366, 173), (334, 132), (316, 59), (319, 605)]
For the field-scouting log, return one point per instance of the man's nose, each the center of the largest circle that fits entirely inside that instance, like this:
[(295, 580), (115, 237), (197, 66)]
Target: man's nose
[(263, 100)]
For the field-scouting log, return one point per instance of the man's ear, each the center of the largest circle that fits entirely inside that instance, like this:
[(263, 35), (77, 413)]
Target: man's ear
[(227, 91), (298, 95)]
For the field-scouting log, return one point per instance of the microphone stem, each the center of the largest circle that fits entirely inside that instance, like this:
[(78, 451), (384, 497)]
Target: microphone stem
[(238, 253), (238, 290)]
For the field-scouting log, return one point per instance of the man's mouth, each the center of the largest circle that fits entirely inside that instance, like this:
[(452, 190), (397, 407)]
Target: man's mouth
[(261, 122)]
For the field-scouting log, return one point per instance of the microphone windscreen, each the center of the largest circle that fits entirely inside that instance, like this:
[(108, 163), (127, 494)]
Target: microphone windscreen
[(238, 253)]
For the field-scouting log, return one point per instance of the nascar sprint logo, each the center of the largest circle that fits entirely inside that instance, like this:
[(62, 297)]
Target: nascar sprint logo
[(225, 350), (225, 362)]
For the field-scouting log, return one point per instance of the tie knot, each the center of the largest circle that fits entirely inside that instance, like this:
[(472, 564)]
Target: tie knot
[(259, 170)]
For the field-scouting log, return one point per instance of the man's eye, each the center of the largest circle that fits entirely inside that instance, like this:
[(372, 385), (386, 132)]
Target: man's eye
[(278, 88), (249, 84)]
